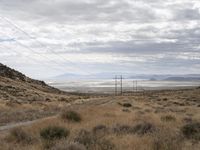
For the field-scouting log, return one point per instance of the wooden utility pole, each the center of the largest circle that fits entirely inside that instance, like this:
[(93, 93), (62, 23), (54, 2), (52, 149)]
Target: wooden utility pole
[(121, 85), (136, 86), (115, 85)]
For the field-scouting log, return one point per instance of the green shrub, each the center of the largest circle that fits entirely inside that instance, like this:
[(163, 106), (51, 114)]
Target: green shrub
[(54, 132), (71, 116), (191, 130)]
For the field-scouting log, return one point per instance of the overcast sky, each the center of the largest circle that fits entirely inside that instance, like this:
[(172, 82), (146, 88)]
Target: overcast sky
[(44, 38)]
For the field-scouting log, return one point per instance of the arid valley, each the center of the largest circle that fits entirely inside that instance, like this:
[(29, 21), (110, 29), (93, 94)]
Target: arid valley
[(35, 116), (99, 74)]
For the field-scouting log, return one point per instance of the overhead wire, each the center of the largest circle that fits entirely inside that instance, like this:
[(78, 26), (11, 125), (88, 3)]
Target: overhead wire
[(66, 60), (33, 58), (42, 44)]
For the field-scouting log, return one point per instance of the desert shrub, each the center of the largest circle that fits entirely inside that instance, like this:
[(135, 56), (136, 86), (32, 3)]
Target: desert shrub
[(100, 128), (62, 99), (86, 138), (86, 97), (54, 132), (68, 146), (123, 129), (187, 119), (191, 130), (75, 146), (168, 118), (104, 144), (119, 103), (91, 141), (100, 131), (126, 105), (48, 99), (165, 99), (165, 139), (126, 110), (143, 128), (71, 116), (20, 136)]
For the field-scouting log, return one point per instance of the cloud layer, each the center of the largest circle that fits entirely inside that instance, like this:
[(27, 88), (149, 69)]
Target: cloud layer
[(91, 36)]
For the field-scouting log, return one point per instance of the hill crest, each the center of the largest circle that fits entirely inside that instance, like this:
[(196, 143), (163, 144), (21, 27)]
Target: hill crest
[(10, 73)]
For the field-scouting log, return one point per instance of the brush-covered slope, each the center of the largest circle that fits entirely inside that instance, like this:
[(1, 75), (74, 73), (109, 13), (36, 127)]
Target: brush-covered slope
[(15, 86)]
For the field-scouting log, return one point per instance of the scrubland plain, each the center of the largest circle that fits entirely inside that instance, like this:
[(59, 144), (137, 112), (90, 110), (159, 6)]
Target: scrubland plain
[(151, 120)]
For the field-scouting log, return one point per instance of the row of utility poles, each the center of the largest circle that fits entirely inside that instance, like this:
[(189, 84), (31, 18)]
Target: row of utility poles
[(135, 86), (120, 78), (116, 84)]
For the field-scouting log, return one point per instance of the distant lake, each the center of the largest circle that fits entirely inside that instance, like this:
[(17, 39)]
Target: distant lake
[(108, 86)]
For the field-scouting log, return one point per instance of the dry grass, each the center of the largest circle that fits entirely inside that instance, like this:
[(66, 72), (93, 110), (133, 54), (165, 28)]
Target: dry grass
[(19, 135), (63, 145), (155, 121)]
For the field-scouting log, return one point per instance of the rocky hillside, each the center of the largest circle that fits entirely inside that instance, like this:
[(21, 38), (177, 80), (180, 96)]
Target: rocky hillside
[(16, 86), (15, 75)]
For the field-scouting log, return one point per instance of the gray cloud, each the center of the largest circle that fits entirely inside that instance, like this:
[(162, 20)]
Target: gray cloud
[(152, 35)]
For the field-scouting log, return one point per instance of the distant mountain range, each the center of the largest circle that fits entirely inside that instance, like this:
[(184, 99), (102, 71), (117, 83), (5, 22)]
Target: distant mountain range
[(69, 76), (151, 77), (186, 77), (182, 79)]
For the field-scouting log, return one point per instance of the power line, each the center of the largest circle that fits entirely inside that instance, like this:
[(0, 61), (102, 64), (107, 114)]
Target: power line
[(39, 54), (40, 43), (20, 29), (60, 56), (31, 58)]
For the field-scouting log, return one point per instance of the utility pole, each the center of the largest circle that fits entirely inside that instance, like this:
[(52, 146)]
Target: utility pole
[(115, 85), (133, 86), (136, 86), (121, 85)]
